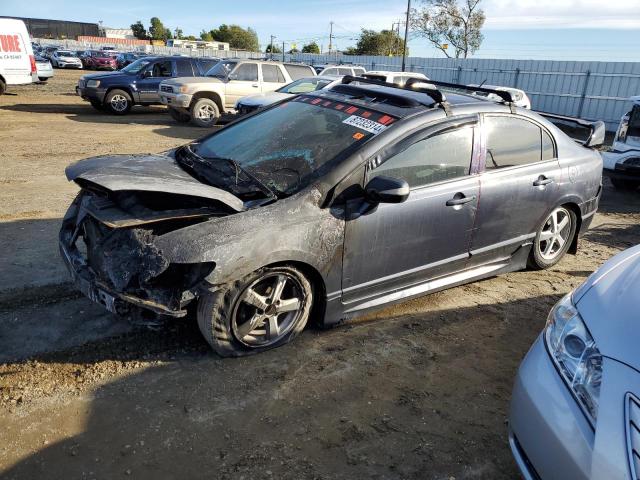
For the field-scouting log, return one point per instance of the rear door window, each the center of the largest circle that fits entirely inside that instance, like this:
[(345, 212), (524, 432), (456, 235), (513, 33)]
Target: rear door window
[(183, 67), (246, 72), (272, 74), (511, 142), (444, 156), (205, 64)]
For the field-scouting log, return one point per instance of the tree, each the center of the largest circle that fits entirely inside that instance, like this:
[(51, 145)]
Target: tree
[(294, 50), (191, 37), (139, 31), (157, 30), (178, 33), (276, 49), (311, 48), (237, 37), (206, 36), (457, 23), (385, 42)]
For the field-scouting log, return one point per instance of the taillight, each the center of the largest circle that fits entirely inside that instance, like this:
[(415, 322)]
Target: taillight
[(32, 59), (621, 134)]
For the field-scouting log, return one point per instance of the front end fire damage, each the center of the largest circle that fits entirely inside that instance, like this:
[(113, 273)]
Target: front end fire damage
[(143, 234)]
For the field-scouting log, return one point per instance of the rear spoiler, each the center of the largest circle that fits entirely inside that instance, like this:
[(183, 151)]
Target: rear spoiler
[(597, 130)]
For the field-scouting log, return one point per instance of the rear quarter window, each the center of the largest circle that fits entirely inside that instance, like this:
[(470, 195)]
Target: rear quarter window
[(298, 71), (184, 68)]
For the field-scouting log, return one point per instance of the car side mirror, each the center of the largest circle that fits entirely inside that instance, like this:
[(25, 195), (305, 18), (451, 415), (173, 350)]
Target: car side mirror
[(386, 190), (147, 74)]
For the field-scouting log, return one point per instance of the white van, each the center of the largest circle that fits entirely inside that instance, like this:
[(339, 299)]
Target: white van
[(17, 63)]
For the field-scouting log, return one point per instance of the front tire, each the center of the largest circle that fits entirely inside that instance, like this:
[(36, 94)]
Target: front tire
[(205, 113), (264, 310), (553, 238), (118, 102), (625, 185), (179, 116)]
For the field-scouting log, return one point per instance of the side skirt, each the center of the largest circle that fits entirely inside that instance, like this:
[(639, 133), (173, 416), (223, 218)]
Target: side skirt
[(338, 312)]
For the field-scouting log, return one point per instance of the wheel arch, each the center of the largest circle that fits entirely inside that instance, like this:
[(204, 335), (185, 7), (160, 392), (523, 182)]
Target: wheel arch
[(573, 249), (214, 96)]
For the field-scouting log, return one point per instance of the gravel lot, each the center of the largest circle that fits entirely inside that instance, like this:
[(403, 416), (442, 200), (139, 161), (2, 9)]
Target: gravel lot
[(419, 390)]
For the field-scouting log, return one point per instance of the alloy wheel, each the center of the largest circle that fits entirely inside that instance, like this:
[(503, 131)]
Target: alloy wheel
[(206, 112), (267, 309), (119, 103), (555, 234)]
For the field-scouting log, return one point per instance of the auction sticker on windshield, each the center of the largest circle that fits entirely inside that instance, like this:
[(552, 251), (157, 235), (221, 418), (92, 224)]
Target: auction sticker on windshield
[(365, 124)]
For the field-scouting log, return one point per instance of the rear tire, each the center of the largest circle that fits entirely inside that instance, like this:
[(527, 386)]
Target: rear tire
[(254, 314), (118, 102), (3, 87), (205, 113), (43, 79), (553, 239), (178, 116), (625, 185)]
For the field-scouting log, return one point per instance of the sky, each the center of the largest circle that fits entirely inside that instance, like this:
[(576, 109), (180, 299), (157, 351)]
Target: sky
[(529, 29)]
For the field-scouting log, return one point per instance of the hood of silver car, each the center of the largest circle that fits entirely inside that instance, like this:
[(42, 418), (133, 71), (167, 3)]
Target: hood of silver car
[(609, 303), (262, 99), (150, 173)]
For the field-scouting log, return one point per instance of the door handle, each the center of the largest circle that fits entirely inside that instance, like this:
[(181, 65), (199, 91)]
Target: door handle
[(255, 85), (460, 199), (542, 181)]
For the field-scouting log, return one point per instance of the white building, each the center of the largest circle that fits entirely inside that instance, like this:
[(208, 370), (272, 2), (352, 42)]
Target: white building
[(197, 44), (125, 33)]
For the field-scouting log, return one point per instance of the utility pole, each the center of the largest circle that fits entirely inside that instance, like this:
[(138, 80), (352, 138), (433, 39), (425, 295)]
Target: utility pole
[(283, 51), (406, 36), (271, 47), (330, 36)]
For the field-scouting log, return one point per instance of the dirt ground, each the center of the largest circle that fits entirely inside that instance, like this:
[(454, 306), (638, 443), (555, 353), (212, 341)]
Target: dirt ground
[(416, 391)]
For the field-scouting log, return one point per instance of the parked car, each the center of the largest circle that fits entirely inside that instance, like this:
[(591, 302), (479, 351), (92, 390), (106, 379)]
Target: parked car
[(98, 60), (124, 59), (520, 97), (622, 162), (398, 78), (341, 70), (251, 103), (575, 410), (328, 205), (43, 68), (202, 100), (17, 63), (65, 59), (48, 50), (137, 83)]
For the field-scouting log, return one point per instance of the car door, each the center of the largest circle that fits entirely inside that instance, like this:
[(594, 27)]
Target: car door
[(272, 77), (518, 187), (393, 247), (242, 81), (152, 75)]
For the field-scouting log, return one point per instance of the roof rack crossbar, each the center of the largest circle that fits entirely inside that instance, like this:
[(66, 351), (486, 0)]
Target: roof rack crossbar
[(437, 96), (504, 95)]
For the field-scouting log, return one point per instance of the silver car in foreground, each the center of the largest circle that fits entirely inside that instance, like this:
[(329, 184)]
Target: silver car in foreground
[(575, 410)]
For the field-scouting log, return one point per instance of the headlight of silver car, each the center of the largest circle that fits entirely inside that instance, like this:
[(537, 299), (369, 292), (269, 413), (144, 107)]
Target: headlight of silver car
[(574, 352), (93, 83)]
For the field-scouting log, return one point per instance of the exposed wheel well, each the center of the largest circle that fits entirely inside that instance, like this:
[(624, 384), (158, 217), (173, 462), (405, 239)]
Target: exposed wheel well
[(319, 288), (573, 249), (211, 96)]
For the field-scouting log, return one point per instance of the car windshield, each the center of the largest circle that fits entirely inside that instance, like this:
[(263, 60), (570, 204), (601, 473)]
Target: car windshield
[(221, 69), (286, 147), (65, 53), (136, 66), (304, 85)]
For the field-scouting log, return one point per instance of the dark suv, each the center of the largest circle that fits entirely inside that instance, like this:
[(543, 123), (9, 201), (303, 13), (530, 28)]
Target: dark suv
[(138, 82), (327, 205)]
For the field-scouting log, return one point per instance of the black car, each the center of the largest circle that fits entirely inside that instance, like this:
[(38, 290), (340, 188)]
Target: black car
[(124, 59), (327, 205), (137, 83)]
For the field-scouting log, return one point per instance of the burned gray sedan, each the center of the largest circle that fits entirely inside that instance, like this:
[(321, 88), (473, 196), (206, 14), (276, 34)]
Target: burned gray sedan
[(328, 205)]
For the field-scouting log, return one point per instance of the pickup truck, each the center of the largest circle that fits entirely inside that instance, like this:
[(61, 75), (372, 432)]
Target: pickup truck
[(137, 83), (202, 100)]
